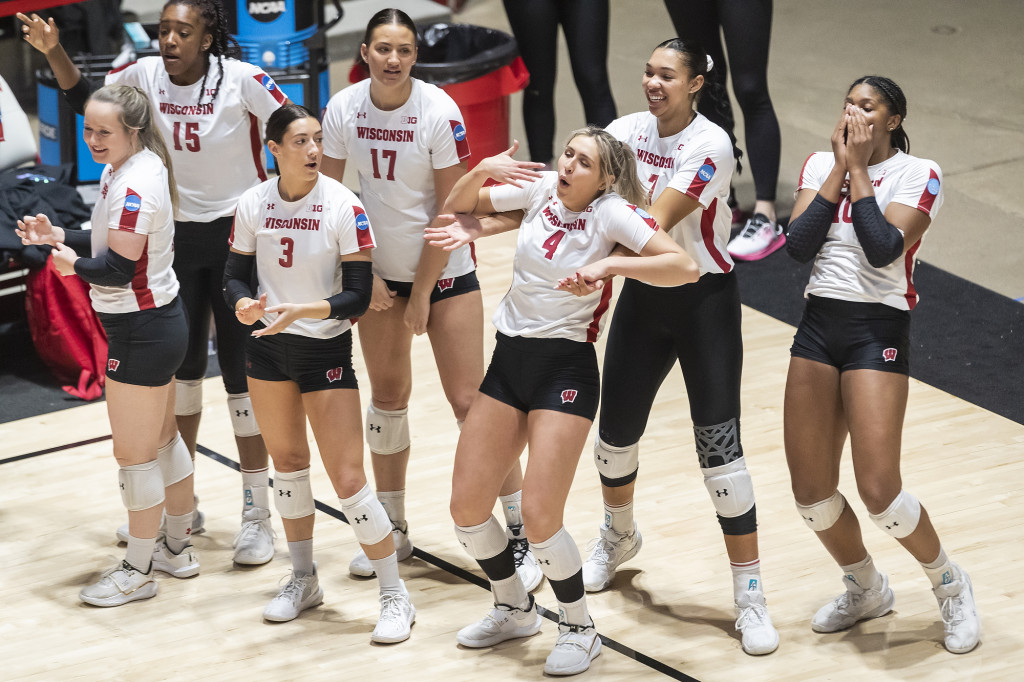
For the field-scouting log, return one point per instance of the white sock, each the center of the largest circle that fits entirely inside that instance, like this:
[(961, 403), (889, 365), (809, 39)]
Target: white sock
[(511, 592), (254, 489), (575, 613), (512, 506), (940, 571), (393, 502), (746, 577), (302, 556), (140, 552), (387, 573), (179, 532), (864, 573), (619, 518)]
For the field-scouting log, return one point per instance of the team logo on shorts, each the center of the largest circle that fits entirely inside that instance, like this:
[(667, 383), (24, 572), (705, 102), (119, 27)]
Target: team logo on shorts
[(113, 364), (706, 172), (333, 375), (445, 284), (933, 186), (132, 202), (889, 354), (569, 395)]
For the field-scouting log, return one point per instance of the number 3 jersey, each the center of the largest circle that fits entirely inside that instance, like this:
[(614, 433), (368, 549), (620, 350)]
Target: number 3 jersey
[(698, 162), (396, 153), (841, 270), (299, 244), (215, 142), (553, 243)]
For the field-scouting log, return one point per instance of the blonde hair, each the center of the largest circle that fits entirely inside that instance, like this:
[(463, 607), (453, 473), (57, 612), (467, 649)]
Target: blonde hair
[(618, 164), (137, 115)]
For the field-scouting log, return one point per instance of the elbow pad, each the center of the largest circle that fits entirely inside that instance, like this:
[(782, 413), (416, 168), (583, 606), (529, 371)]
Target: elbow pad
[(356, 288), (882, 242), (111, 270), (237, 277), (78, 94), (807, 233)]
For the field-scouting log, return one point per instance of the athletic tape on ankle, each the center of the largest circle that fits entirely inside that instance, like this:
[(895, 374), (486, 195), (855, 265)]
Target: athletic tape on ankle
[(823, 515), (175, 461), (483, 541), (188, 397), (387, 431), (142, 485), (902, 516), (558, 556), (367, 517), (616, 466), (293, 494), (243, 419)]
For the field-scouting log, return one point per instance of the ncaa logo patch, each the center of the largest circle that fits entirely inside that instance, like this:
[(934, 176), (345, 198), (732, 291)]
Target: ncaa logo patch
[(333, 375), (362, 222), (933, 186), (445, 284), (459, 131), (706, 172), (132, 202), (113, 364), (889, 354), (268, 82), (569, 395)]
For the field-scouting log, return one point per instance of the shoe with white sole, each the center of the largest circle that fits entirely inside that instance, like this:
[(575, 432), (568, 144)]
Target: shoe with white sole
[(959, 613), (299, 593), (576, 647), (397, 614), (853, 606), (759, 238), (758, 635), (504, 622), (254, 543), (184, 564), (120, 585), (526, 565), (610, 550)]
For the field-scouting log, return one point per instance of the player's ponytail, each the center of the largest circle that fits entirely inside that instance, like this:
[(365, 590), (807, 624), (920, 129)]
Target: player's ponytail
[(618, 165), (894, 99)]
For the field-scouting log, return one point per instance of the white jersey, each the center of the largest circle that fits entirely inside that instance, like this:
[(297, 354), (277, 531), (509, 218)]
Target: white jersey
[(299, 245), (396, 153), (841, 270), (135, 199), (216, 143), (553, 243), (697, 161)]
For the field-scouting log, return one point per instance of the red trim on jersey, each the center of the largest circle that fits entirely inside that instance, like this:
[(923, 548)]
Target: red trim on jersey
[(800, 182), (130, 217), (257, 147), (140, 281), (602, 307), (908, 264), (472, 253), (364, 237), (231, 237), (268, 84), (461, 146), (121, 68), (927, 198), (698, 183), (707, 233), (645, 216)]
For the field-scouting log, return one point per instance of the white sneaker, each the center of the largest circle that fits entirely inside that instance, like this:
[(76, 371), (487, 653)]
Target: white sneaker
[(360, 564), (300, 593), (759, 636), (198, 523), (526, 565), (959, 614), (504, 622), (854, 605), (120, 585), (576, 647), (254, 543), (184, 564), (397, 614), (760, 237), (610, 551)]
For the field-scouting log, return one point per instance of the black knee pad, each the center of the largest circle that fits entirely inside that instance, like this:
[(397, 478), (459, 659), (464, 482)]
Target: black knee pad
[(744, 524)]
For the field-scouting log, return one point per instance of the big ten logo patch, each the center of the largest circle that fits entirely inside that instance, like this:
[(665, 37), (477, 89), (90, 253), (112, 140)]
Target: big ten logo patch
[(569, 395), (409, 120), (314, 208)]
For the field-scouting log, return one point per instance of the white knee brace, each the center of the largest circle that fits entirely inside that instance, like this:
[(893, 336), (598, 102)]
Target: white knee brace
[(730, 488), (900, 519), (188, 397), (558, 556), (615, 464), (823, 515), (175, 461), (293, 494), (484, 541), (243, 420), (367, 517), (142, 485), (387, 431)]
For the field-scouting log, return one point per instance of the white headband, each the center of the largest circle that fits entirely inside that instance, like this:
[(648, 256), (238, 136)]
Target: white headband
[(711, 63)]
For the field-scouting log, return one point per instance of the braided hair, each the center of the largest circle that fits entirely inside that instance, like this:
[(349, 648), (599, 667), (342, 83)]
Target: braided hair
[(894, 99), (223, 44)]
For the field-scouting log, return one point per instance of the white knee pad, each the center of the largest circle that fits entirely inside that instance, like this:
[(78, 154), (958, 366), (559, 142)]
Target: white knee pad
[(730, 487), (175, 461), (387, 431), (558, 556), (900, 519), (367, 517), (243, 421), (484, 541), (293, 494), (188, 397), (142, 485), (616, 463), (823, 515)]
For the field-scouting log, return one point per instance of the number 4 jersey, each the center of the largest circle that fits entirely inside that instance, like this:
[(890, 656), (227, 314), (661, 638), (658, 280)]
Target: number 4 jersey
[(215, 142)]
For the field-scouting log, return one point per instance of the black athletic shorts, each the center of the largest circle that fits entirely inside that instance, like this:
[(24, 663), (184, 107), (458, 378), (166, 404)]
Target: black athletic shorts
[(145, 348), (445, 288), (854, 335), (544, 374), (313, 364)]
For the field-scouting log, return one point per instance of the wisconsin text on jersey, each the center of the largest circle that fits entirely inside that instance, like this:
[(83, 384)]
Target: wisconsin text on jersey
[(186, 109), (384, 134), (578, 224), (292, 224), (652, 159)]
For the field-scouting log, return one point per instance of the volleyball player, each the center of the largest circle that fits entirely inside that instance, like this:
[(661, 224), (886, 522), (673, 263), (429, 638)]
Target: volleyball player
[(208, 107), (308, 238), (408, 143), (861, 213), (135, 294), (687, 162), (542, 388)]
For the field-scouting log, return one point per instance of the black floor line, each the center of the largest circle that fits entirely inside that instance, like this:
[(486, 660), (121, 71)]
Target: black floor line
[(58, 448)]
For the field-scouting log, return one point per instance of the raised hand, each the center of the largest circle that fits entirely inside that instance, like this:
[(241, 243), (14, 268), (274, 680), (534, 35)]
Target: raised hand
[(503, 168), (37, 230), (463, 229), (859, 142), (39, 33), (839, 138)]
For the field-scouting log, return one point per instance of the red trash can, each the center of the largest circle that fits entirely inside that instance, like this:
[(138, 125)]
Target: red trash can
[(479, 68)]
